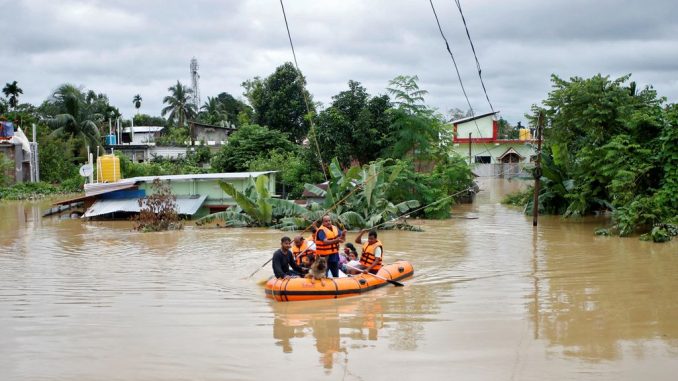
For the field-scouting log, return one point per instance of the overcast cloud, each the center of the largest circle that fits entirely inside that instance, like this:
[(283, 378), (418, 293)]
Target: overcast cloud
[(123, 48)]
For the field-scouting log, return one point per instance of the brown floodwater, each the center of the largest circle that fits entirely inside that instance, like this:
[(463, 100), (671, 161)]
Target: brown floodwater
[(492, 298)]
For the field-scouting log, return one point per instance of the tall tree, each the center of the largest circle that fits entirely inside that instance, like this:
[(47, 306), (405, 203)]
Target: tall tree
[(12, 91), (235, 108), (417, 129), (137, 102), (180, 105), (279, 101), (355, 126), (212, 112), (74, 120)]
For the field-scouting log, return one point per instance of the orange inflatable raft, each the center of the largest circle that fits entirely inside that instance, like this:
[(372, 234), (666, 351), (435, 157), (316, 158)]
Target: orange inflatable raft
[(295, 289)]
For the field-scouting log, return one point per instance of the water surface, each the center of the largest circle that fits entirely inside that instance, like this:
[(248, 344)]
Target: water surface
[(492, 299)]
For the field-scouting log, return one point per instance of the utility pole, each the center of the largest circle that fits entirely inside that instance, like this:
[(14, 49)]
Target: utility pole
[(537, 170), (469, 149)]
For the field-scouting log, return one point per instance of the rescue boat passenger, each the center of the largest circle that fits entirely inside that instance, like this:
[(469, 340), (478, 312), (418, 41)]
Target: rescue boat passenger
[(283, 259), (373, 252)]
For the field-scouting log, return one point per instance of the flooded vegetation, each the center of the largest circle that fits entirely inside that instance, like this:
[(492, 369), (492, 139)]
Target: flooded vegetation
[(491, 298)]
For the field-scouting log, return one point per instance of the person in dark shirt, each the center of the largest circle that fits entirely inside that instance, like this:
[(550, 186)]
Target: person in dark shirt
[(283, 259)]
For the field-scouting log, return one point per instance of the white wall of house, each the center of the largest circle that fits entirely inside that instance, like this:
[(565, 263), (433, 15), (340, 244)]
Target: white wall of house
[(143, 134), (481, 128), (168, 152)]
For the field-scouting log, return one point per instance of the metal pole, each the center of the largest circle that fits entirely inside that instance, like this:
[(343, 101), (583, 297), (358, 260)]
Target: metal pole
[(537, 171), (469, 149)]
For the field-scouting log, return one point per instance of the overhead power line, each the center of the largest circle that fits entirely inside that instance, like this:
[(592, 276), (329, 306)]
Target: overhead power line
[(461, 83), (480, 75), (456, 68), (303, 93)]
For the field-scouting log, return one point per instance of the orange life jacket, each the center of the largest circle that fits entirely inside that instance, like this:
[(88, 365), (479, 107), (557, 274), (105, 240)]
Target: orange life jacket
[(327, 249), (301, 254), (367, 257)]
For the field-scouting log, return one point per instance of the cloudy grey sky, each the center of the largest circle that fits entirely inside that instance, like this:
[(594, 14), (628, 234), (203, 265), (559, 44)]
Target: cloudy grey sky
[(122, 48)]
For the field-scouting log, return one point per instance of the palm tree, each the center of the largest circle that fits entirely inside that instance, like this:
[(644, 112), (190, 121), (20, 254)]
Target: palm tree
[(137, 102), (74, 121), (180, 106), (213, 111), (12, 91)]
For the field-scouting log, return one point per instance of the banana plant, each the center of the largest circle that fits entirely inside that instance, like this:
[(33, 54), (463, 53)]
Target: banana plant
[(363, 195), (254, 206)]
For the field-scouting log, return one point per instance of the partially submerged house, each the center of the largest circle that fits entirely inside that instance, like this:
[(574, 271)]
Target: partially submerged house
[(18, 156), (477, 139), (196, 194)]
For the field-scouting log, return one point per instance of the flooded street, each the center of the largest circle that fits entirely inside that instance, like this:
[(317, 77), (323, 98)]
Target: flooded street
[(491, 299)]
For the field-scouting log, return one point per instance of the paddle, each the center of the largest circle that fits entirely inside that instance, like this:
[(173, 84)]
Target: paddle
[(262, 266), (393, 282)]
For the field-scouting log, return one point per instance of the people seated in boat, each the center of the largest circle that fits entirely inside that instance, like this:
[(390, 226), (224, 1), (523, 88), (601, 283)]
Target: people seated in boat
[(283, 262), (343, 256), (327, 240), (353, 265), (303, 250), (373, 252)]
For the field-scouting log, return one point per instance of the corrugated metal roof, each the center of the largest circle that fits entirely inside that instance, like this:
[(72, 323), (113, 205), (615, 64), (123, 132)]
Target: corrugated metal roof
[(470, 118), (187, 205), (99, 188), (203, 176)]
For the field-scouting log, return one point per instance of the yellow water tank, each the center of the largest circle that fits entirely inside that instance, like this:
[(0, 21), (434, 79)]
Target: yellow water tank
[(108, 169), (524, 134)]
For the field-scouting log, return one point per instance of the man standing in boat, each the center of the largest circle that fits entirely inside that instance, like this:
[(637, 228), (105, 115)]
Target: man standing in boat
[(327, 240), (373, 251), (283, 259)]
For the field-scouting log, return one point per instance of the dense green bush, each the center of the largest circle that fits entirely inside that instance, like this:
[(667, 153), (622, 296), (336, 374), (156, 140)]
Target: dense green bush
[(246, 145), (294, 169), (437, 190), (611, 147)]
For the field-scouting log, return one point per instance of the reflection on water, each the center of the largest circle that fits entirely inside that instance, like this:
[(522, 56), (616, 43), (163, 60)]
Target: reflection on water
[(329, 323), (592, 295), (491, 298)]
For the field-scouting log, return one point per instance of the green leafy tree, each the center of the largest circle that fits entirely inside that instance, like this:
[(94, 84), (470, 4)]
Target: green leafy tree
[(12, 91), (248, 143), (279, 103), (507, 131), (224, 108), (606, 150), (180, 107), (355, 126), (56, 159), (416, 128)]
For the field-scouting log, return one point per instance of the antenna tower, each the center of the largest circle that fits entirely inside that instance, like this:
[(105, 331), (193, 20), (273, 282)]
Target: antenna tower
[(195, 77)]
